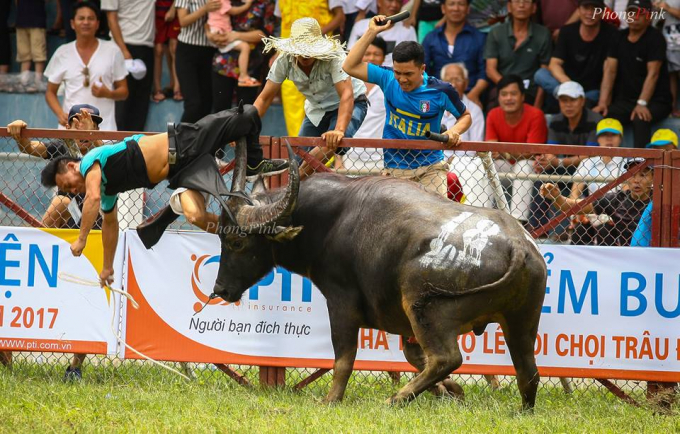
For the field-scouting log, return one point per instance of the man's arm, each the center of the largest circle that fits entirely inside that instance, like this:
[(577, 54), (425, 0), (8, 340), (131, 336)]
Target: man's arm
[(353, 64), (461, 126), (265, 98), (116, 33), (53, 102), (608, 79), (552, 193), (109, 242), (186, 19), (119, 92), (653, 69), (476, 92), (346, 94), (237, 10), (336, 22), (492, 70), (557, 71), (91, 205), (27, 146)]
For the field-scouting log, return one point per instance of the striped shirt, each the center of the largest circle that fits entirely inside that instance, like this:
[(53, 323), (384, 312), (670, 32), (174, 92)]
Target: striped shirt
[(194, 33)]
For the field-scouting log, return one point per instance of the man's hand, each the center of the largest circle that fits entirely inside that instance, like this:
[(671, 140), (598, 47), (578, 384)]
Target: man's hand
[(545, 161), (376, 27), (642, 113), (601, 109), (83, 121), (220, 40), (101, 91), (550, 191), (14, 129), (333, 138), (212, 5), (63, 119), (106, 277), (474, 97), (77, 247), (454, 139), (170, 15)]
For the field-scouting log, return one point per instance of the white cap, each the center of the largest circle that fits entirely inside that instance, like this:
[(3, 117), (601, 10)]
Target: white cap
[(571, 89), (136, 67)]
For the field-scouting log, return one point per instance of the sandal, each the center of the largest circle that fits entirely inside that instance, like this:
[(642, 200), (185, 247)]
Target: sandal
[(249, 82), (177, 96), (158, 96)]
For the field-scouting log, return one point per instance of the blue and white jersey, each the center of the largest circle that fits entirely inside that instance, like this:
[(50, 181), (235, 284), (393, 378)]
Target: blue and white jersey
[(409, 115)]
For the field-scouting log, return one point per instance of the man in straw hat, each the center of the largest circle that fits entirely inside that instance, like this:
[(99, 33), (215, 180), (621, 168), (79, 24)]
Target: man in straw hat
[(415, 104), (336, 103)]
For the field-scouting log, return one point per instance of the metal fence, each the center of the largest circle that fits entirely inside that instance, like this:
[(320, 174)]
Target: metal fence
[(596, 197)]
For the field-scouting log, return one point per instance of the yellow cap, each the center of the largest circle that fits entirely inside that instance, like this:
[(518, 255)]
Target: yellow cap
[(663, 137), (609, 125)]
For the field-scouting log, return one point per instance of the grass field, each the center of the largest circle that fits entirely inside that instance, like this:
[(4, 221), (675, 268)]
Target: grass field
[(33, 398)]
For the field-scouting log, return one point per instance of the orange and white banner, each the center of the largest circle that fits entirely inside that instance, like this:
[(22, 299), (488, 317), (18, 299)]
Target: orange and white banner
[(39, 311), (607, 313)]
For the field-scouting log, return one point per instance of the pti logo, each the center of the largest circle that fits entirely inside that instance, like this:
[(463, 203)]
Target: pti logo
[(201, 262)]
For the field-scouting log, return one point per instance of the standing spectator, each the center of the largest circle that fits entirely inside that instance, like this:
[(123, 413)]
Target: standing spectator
[(430, 15), (580, 53), (517, 122), (518, 47), (31, 22), (671, 30), (374, 122), (5, 45), (574, 125), (457, 41), (219, 22), (557, 13), (92, 71), (132, 28), (396, 34), (329, 14), (636, 76), (194, 56), (466, 165), (415, 103), (251, 27), (167, 30), (336, 103)]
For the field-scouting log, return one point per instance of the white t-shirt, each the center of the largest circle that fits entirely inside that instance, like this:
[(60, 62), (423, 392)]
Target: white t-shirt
[(476, 131), (595, 166), (671, 27), (395, 35), (106, 65), (136, 18), (371, 128)]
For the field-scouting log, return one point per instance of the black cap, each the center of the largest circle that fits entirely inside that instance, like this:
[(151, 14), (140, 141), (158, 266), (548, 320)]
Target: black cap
[(598, 3), (94, 112), (639, 4), (632, 162)]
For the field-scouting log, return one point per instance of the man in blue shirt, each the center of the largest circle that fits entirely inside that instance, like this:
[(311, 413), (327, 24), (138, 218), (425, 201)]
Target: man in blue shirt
[(457, 41), (415, 104)]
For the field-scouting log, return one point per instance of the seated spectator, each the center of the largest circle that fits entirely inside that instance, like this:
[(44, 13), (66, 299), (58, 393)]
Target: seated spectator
[(457, 41), (374, 122), (518, 47), (466, 165), (636, 86), (396, 34), (219, 22), (167, 31), (609, 135), (614, 216), (517, 122), (555, 14), (671, 31), (666, 140), (580, 53), (65, 209), (574, 125), (31, 22), (336, 103)]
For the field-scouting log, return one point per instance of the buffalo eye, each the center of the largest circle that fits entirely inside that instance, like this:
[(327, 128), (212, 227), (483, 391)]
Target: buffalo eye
[(236, 245)]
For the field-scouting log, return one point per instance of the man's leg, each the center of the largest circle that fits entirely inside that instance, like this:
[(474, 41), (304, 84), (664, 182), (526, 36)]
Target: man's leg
[(308, 129), (545, 79), (73, 371), (57, 213), (131, 114), (433, 177), (194, 209)]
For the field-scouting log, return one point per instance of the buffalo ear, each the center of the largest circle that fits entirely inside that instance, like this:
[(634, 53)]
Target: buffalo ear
[(285, 234)]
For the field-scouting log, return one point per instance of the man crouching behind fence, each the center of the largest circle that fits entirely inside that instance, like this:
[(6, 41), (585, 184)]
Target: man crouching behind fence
[(144, 161)]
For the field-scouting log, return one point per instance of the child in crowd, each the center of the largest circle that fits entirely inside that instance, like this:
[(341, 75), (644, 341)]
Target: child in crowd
[(671, 31), (167, 30), (31, 22), (219, 22)]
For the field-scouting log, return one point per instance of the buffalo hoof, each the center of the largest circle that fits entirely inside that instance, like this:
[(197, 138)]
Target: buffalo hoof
[(396, 400), (453, 389)]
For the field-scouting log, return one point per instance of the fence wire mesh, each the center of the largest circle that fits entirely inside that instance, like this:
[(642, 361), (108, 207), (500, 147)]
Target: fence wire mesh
[(534, 186)]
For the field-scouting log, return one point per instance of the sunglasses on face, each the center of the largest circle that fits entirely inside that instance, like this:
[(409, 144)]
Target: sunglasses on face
[(86, 73)]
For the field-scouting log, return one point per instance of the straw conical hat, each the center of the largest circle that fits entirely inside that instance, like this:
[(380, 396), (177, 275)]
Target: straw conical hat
[(306, 40)]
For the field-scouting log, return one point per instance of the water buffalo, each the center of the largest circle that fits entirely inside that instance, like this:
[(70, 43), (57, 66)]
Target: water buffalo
[(388, 255)]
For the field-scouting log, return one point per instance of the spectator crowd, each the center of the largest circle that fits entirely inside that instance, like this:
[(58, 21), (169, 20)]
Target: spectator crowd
[(596, 66)]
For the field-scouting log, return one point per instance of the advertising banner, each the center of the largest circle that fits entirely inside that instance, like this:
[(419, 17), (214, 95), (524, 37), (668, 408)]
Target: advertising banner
[(39, 311), (607, 313)]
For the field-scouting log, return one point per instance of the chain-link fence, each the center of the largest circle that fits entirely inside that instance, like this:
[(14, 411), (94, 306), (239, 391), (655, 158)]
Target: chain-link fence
[(561, 194)]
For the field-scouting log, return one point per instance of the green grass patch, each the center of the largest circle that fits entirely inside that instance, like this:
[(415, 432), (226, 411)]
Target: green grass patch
[(137, 397)]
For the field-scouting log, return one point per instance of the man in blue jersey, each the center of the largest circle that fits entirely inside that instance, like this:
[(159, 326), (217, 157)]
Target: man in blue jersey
[(415, 104), (144, 161)]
